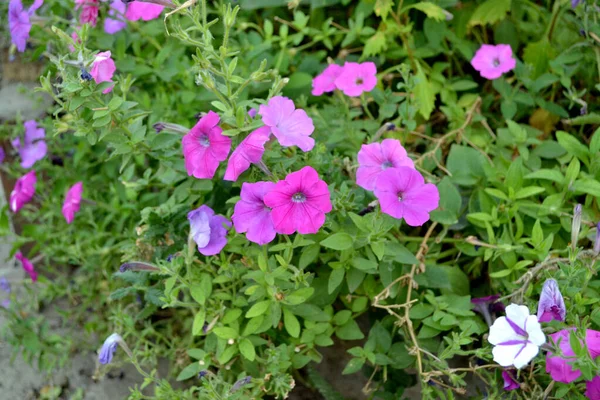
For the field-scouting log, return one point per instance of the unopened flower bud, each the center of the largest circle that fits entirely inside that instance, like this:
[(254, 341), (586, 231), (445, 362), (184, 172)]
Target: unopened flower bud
[(597, 241), (230, 341), (86, 76), (244, 381), (576, 225), (551, 305)]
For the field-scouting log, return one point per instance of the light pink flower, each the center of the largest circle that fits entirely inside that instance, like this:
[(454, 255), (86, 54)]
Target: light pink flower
[(208, 230), (325, 81), (592, 389), (204, 147), (252, 216), (19, 22), (116, 21), (72, 201), (493, 61), (23, 191), (27, 266), (33, 147), (249, 151), (103, 69), (89, 11), (375, 158), (558, 367), (299, 203), (290, 126), (403, 193), (356, 78), (145, 11)]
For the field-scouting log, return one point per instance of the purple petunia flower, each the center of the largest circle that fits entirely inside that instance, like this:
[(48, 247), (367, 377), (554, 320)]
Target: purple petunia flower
[(242, 382), (592, 388), (23, 191), (33, 148), (2, 155), (493, 61), (487, 305), (19, 22), (249, 151), (552, 304), (27, 266), (208, 230), (291, 126), (252, 216), (510, 383), (4, 285), (374, 158), (559, 366), (72, 202), (109, 348)]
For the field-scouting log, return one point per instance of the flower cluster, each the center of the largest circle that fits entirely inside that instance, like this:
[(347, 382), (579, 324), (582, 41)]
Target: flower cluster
[(353, 79)]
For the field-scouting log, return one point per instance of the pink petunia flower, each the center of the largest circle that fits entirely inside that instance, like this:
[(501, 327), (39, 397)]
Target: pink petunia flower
[(103, 69), (299, 203), (592, 388), (116, 12), (76, 39), (558, 367), (72, 201), (252, 216), (34, 146), (19, 22), (27, 266), (493, 61), (375, 158), (355, 78), (250, 151), (23, 191), (137, 10), (204, 147), (208, 230), (403, 193), (89, 11), (510, 383), (290, 126), (325, 81)]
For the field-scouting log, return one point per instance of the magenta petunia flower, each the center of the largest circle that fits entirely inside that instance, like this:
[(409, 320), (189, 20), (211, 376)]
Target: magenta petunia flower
[(403, 193), (493, 61), (250, 151), (89, 11), (72, 201), (291, 126), (375, 158), (510, 383), (299, 203), (551, 305), (19, 22), (103, 69), (27, 266), (592, 388), (204, 147), (252, 216), (325, 81), (115, 22), (355, 78), (137, 10), (34, 146), (558, 367), (23, 191), (208, 230)]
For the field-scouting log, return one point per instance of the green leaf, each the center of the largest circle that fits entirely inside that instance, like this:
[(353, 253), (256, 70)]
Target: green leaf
[(227, 354), (432, 10), (354, 278), (589, 119), (335, 279), (189, 371), (547, 174), (300, 295), (292, 326), (538, 55), (354, 365), (588, 186), (342, 317), (258, 309), (383, 7), (338, 241), (424, 93), (247, 349), (364, 264), (529, 191), (349, 331), (198, 354), (573, 146), (198, 324), (225, 332), (595, 142), (450, 201), (198, 294), (490, 12), (375, 45), (400, 253)]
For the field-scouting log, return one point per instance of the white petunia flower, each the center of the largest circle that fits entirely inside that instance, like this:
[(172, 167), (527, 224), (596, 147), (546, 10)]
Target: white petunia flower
[(516, 337)]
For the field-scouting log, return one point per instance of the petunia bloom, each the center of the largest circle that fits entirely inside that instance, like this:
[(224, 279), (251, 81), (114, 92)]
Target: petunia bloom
[(487, 305), (204, 147), (19, 22), (252, 216), (137, 10), (115, 22), (592, 388), (249, 151), (34, 146), (516, 337), (403, 193), (355, 78), (72, 201), (109, 347), (493, 61), (291, 126), (552, 304), (252, 112), (23, 191), (208, 230), (299, 203), (103, 69), (325, 81), (2, 155), (558, 367), (5, 285), (510, 383), (27, 266), (375, 158), (89, 11)]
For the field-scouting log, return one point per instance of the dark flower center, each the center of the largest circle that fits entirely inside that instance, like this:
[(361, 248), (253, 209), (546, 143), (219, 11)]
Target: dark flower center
[(359, 81), (387, 165), (298, 198), (496, 62), (204, 140), (400, 194)]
